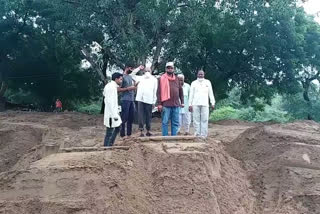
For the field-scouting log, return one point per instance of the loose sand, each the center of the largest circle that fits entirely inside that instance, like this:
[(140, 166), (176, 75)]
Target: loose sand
[(242, 168)]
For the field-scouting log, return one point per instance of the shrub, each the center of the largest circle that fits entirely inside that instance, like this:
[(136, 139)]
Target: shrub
[(22, 97), (247, 113), (257, 111), (224, 113), (92, 107)]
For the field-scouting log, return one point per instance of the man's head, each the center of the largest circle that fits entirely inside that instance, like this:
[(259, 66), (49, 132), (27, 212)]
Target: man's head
[(181, 78), (200, 74), (117, 77), (147, 71), (170, 68), (128, 68)]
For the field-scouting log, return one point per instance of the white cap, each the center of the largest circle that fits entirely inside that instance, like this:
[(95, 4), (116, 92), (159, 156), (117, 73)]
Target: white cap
[(170, 64), (180, 76)]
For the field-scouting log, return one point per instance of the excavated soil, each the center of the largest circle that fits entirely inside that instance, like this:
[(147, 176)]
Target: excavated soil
[(283, 164), (242, 168)]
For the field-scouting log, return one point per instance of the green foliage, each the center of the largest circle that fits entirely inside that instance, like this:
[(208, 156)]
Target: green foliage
[(23, 97), (247, 113), (91, 107), (296, 105), (270, 113), (231, 108), (261, 48), (224, 113), (273, 112), (299, 108)]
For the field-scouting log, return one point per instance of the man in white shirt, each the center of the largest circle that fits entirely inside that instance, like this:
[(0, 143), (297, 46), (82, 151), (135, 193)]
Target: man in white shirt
[(112, 119), (184, 115), (146, 97), (200, 93)]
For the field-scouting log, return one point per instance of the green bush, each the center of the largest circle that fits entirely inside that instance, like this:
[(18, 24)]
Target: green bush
[(272, 114), (257, 111), (224, 113), (21, 96), (247, 113), (93, 107), (299, 108)]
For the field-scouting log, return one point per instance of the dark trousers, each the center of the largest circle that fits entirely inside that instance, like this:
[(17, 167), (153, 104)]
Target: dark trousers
[(111, 135), (145, 114), (127, 115)]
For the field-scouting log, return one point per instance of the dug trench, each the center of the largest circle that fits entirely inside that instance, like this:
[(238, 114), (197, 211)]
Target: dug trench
[(242, 168)]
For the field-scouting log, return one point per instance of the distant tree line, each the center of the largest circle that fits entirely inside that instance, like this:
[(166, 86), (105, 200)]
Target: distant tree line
[(261, 47)]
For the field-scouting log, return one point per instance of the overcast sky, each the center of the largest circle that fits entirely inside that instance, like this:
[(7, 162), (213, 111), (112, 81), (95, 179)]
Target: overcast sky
[(313, 7)]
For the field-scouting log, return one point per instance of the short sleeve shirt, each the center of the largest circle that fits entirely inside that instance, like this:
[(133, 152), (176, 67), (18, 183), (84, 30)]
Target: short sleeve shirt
[(127, 82)]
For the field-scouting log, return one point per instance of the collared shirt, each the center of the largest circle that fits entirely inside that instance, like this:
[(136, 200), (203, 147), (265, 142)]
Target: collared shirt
[(147, 89), (111, 110), (200, 93), (176, 94)]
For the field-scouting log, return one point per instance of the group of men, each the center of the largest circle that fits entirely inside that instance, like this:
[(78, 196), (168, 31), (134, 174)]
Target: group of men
[(175, 99)]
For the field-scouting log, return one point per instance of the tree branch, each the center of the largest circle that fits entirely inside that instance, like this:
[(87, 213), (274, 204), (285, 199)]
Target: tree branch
[(94, 65), (71, 2)]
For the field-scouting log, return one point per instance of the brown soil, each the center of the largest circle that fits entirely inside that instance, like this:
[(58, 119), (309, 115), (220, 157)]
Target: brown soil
[(242, 168)]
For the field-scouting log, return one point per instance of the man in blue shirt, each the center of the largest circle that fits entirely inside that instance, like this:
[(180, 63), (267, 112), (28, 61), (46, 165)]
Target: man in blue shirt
[(127, 100)]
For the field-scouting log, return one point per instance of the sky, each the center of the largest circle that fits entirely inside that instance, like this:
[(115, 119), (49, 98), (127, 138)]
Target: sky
[(313, 7)]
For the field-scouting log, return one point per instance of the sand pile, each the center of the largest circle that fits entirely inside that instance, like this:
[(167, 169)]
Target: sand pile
[(175, 177), (144, 179), (243, 168), (283, 162)]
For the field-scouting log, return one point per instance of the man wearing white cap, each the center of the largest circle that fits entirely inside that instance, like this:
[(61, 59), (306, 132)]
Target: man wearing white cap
[(185, 115), (170, 99), (200, 93)]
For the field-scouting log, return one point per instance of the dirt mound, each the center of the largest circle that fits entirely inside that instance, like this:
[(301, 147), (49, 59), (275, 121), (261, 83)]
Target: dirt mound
[(243, 168), (24, 135), (234, 122), (283, 162), (151, 177), (147, 178)]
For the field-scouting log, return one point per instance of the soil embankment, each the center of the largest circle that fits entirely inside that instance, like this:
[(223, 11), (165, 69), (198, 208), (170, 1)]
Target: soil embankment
[(243, 168)]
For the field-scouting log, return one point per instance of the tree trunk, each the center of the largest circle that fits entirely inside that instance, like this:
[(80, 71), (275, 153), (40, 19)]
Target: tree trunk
[(3, 87), (156, 54), (94, 65), (2, 104), (306, 86), (102, 106)]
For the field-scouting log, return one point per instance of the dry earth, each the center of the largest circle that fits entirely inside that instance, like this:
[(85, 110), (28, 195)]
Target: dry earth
[(242, 168)]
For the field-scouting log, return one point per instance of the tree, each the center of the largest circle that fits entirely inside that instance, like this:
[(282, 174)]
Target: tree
[(308, 67), (37, 56), (249, 44), (255, 45)]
